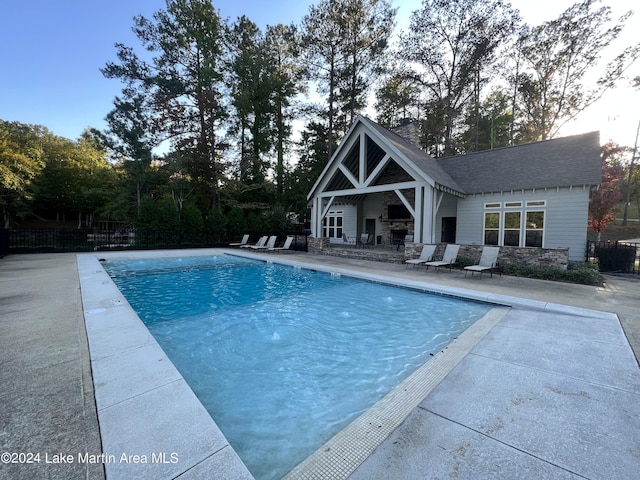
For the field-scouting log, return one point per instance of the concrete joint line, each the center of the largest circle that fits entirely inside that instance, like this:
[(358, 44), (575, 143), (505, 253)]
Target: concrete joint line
[(342, 454)]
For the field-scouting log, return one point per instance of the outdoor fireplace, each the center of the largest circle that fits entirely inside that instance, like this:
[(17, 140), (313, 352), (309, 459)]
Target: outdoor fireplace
[(397, 236)]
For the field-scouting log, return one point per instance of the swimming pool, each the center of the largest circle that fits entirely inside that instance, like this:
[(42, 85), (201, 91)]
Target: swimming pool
[(259, 334)]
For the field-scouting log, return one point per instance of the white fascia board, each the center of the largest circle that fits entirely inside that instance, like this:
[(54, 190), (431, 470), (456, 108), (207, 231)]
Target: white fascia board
[(398, 156), (373, 189), (323, 177)]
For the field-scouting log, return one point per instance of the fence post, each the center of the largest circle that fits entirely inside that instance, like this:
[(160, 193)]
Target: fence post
[(4, 242)]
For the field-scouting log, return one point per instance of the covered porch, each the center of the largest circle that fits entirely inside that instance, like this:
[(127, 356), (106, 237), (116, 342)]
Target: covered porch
[(378, 184), (384, 218)]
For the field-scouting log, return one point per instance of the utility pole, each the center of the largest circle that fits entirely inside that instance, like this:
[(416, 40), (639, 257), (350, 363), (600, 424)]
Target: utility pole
[(628, 199)]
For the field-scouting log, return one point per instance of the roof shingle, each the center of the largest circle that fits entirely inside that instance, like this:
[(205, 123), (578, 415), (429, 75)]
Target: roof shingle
[(560, 162)]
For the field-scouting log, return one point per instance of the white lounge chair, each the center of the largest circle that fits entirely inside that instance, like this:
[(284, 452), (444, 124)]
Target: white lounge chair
[(348, 240), (488, 261), (286, 246), (245, 239), (269, 244), (449, 258), (426, 255), (259, 243)]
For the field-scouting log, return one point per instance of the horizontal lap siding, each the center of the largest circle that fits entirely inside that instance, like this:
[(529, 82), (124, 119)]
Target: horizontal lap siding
[(350, 219), (448, 208), (470, 220), (565, 219)]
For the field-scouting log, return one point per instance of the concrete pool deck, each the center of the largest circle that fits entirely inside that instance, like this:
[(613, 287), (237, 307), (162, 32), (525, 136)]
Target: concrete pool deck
[(549, 392)]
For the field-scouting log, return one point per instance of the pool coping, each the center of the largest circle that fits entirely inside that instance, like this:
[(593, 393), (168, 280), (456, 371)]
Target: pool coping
[(134, 409), (148, 415)]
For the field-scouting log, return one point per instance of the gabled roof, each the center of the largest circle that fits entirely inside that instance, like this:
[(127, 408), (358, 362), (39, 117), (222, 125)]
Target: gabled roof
[(560, 162), (425, 162), (399, 149)]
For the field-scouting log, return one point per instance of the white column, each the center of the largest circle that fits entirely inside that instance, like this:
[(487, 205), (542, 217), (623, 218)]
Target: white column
[(316, 221), (362, 160), (418, 218), (427, 215)]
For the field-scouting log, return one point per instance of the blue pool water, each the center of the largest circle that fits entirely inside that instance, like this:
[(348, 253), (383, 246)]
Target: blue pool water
[(283, 358)]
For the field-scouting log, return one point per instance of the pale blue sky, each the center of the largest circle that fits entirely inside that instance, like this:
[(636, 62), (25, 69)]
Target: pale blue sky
[(52, 52)]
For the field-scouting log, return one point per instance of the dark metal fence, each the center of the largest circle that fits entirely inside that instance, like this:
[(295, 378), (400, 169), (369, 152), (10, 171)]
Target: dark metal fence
[(41, 240), (4, 242), (615, 257)]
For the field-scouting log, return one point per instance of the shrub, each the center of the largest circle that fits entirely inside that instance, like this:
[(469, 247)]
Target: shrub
[(582, 273), (236, 223), (160, 215), (191, 218), (465, 262), (216, 221)]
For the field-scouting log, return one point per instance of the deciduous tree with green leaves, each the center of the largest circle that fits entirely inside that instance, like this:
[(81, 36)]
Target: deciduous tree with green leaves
[(76, 180), (558, 57), (447, 48), (396, 99), (488, 125), (21, 161)]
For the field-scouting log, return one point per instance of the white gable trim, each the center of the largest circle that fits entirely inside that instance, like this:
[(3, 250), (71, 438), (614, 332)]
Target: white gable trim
[(407, 165), (347, 173), (328, 206), (372, 189), (376, 171), (324, 175), (406, 203), (358, 130)]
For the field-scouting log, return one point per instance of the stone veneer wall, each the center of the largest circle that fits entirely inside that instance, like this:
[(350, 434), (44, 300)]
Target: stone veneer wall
[(521, 256), (323, 247), (317, 244), (387, 224)]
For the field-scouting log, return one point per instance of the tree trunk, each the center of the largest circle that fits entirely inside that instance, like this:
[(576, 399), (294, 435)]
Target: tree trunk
[(331, 96), (280, 148)]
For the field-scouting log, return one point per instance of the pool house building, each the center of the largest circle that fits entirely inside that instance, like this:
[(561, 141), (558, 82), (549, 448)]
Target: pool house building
[(532, 196)]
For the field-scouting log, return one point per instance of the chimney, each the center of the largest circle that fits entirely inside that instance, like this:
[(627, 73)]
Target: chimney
[(408, 129)]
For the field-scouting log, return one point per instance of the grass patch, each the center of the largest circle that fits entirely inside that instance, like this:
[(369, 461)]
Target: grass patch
[(616, 232)]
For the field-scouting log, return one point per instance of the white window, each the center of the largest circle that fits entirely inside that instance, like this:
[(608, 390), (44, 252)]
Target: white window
[(511, 230), (511, 224), (491, 228), (534, 228), (332, 224)]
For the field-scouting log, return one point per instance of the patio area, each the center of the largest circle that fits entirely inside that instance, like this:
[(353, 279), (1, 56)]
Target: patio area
[(578, 382)]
